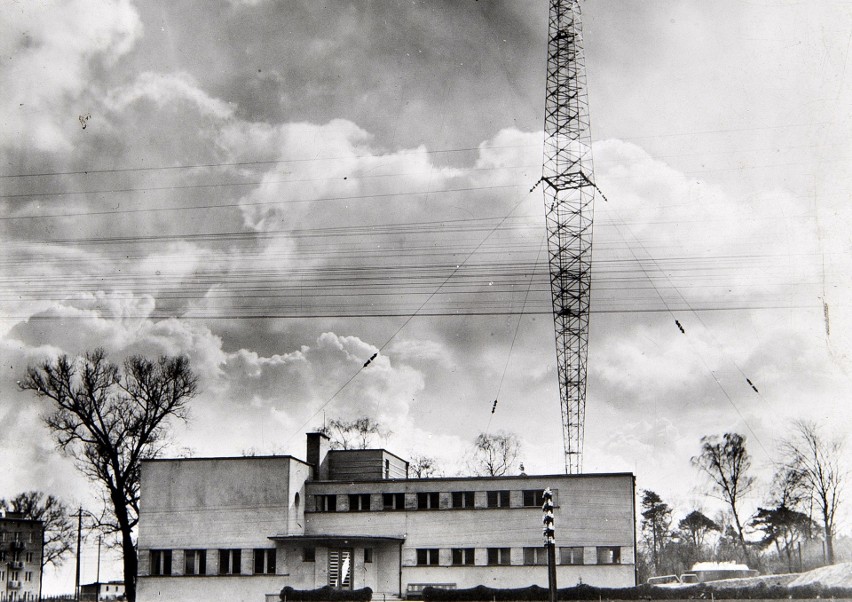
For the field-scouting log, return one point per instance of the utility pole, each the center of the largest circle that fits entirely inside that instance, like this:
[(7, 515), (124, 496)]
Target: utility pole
[(98, 578), (549, 542), (77, 570)]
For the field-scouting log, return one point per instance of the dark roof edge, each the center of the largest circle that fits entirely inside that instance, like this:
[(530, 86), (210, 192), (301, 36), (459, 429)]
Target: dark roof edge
[(270, 457), (584, 475)]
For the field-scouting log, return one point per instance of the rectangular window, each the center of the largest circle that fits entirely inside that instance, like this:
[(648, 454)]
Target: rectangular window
[(609, 555), (427, 557), (326, 503), (498, 556), (573, 555), (534, 556), (368, 555), (462, 499), (427, 501), (393, 501), (533, 498), (359, 502), (161, 562), (229, 562), (264, 561), (29, 557), (28, 576), (309, 554), (498, 499), (462, 556), (195, 562)]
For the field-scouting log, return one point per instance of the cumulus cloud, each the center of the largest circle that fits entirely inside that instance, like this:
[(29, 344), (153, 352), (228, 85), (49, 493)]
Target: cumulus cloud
[(51, 50)]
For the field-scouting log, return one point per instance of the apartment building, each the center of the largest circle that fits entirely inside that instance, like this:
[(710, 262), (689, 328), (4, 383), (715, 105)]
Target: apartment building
[(21, 547), (243, 528)]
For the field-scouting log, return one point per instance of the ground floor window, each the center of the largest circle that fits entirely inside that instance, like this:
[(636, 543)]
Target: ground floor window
[(427, 556), (463, 556), (229, 562), (161, 562), (264, 561), (368, 555), (537, 555), (499, 556), (609, 555), (309, 554), (572, 555)]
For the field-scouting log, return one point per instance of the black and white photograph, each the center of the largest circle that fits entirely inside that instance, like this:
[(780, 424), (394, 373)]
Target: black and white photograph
[(441, 300)]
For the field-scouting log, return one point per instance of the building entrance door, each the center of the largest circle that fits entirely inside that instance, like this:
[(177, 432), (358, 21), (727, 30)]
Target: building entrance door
[(340, 568)]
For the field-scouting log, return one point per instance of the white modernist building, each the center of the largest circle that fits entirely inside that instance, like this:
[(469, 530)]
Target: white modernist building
[(243, 528)]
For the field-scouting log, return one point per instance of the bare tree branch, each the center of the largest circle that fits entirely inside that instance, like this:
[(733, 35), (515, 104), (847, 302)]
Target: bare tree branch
[(109, 419)]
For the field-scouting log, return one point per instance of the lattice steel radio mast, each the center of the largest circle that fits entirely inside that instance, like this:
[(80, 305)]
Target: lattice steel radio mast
[(569, 193)]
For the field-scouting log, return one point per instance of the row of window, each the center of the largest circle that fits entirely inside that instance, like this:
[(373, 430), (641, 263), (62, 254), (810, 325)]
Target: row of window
[(195, 562), (16, 575), (15, 596), (532, 556), (25, 536), (16, 556), (429, 500)]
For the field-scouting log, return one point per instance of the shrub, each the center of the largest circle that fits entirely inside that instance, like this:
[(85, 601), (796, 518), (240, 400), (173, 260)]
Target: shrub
[(326, 594), (641, 592)]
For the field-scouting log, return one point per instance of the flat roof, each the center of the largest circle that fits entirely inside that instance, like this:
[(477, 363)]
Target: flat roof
[(584, 475), (218, 458)]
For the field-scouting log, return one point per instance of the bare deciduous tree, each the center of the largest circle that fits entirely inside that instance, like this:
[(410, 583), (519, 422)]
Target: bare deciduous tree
[(359, 433), (494, 454), (110, 419), (422, 467), (726, 463), (815, 463), (59, 531)]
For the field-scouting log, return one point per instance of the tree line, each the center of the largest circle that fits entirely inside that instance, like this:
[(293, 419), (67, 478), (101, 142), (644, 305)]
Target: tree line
[(109, 418), (798, 513)]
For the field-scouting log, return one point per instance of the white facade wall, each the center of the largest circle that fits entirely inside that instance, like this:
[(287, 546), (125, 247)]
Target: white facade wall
[(213, 504), (270, 503), (592, 511)]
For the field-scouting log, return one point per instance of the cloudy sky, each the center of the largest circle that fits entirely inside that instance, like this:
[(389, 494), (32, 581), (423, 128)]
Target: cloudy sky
[(281, 189)]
